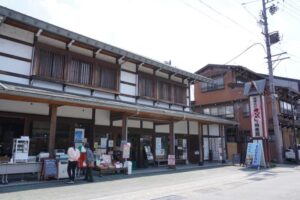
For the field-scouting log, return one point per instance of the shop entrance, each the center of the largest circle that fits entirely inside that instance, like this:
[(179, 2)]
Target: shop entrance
[(139, 144), (212, 148), (10, 128)]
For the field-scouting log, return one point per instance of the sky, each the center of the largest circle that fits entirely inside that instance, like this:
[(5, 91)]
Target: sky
[(190, 33)]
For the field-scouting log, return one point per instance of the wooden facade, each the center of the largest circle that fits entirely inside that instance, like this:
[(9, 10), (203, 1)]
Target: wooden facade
[(53, 81)]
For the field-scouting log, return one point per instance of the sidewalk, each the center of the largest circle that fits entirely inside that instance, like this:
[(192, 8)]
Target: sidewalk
[(31, 183)]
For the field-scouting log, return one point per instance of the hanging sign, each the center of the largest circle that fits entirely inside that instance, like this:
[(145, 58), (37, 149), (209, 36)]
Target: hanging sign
[(256, 116)]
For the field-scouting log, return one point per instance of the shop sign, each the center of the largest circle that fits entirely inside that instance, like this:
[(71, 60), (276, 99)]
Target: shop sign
[(171, 160), (256, 116)]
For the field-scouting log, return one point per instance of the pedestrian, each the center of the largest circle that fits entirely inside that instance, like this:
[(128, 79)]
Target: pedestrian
[(73, 155), (90, 163)]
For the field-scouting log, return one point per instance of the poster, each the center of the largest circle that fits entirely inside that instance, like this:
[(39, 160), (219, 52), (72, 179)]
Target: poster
[(158, 150), (250, 153), (110, 143), (126, 150), (78, 135), (171, 160), (255, 154), (103, 143)]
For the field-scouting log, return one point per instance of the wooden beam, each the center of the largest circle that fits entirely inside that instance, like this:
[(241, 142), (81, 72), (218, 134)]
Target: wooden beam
[(26, 126), (188, 140), (223, 143), (53, 120), (172, 142), (124, 128), (200, 138)]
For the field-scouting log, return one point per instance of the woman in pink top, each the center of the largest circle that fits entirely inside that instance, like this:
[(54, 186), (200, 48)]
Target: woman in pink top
[(73, 155)]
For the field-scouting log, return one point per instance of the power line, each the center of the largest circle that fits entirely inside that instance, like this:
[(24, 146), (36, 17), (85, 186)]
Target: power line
[(228, 18), (245, 52), (201, 12)]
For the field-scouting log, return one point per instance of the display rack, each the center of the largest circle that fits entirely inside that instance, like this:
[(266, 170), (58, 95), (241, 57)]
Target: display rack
[(20, 149)]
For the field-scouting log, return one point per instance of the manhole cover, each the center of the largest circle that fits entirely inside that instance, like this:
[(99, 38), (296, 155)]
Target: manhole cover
[(256, 179)]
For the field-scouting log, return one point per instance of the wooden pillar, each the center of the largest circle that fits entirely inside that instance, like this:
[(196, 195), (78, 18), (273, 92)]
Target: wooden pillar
[(188, 141), (53, 120), (223, 143), (200, 138), (172, 139), (92, 138), (124, 128), (172, 144), (26, 127)]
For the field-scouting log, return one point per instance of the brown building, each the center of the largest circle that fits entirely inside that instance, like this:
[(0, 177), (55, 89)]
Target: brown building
[(226, 99)]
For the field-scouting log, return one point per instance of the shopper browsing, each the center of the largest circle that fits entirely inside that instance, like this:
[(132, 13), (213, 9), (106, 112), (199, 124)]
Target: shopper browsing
[(90, 163), (73, 155)]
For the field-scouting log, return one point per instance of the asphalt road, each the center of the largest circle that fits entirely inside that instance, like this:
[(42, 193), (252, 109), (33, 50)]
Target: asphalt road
[(224, 183)]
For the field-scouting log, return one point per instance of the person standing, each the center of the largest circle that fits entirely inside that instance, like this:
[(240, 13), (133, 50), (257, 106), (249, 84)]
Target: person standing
[(73, 155), (90, 163)]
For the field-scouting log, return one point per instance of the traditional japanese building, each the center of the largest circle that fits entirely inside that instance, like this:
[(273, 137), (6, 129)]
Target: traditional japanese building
[(53, 81)]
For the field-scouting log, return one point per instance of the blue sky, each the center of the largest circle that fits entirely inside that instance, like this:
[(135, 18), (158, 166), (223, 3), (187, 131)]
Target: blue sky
[(190, 33)]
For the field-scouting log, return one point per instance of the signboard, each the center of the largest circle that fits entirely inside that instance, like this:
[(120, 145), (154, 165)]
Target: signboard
[(250, 154), (148, 153), (255, 154), (126, 150), (171, 160), (110, 143), (49, 168), (256, 116), (78, 135)]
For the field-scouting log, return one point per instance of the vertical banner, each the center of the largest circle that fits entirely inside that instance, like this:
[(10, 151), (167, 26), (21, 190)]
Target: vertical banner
[(256, 116)]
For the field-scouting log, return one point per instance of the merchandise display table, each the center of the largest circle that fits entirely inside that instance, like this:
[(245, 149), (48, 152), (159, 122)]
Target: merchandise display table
[(18, 168), (111, 170)]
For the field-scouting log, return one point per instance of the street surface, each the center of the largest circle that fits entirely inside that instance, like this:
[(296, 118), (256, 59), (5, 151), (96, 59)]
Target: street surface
[(224, 183)]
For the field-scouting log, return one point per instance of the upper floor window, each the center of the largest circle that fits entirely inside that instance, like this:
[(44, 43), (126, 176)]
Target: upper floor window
[(51, 64), (147, 86), (218, 84), (220, 111), (285, 107), (68, 67), (80, 72), (157, 88), (246, 110)]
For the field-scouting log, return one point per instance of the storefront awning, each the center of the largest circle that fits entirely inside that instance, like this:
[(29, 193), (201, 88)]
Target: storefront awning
[(29, 94)]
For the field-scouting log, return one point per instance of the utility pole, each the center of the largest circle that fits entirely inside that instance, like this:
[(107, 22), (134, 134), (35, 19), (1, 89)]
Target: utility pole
[(277, 131)]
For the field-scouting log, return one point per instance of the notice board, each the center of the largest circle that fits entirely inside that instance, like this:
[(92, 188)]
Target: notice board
[(49, 168)]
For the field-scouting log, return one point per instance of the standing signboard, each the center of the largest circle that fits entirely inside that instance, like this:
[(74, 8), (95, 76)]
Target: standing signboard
[(171, 160), (126, 150)]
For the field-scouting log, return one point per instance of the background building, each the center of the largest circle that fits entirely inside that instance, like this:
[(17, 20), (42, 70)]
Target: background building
[(226, 99)]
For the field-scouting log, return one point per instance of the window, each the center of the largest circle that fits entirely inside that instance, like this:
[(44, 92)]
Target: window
[(229, 112), (164, 90), (80, 72), (206, 111), (246, 110), (51, 65), (179, 94), (218, 84), (109, 78), (54, 63), (285, 107), (146, 87), (214, 111)]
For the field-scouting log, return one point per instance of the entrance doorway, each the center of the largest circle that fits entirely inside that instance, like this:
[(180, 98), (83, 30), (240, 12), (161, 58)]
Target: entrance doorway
[(10, 128), (137, 153)]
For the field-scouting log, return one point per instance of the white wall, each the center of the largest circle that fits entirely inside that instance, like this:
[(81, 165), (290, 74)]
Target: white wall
[(146, 70), (128, 77), (102, 117), (147, 125), (127, 89), (134, 123), (129, 66), (74, 112), (180, 127), (81, 51), (16, 49), (194, 128), (14, 79), (16, 33), (47, 85), (52, 42), (14, 65), (106, 58), (77, 90), (162, 129), (24, 107)]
